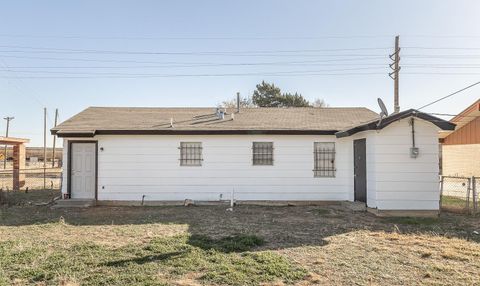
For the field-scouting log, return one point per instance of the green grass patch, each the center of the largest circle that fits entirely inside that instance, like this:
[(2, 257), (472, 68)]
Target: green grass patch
[(236, 243), (225, 261), (450, 201), (413, 220)]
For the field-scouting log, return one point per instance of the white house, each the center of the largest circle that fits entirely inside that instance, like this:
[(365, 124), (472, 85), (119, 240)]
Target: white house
[(159, 155)]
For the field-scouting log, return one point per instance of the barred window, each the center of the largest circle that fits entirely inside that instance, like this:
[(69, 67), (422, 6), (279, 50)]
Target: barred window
[(324, 159), (190, 154), (262, 153)]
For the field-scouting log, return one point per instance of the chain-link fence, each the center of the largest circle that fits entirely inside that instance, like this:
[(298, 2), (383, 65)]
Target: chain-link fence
[(459, 194), (475, 189), (30, 179)]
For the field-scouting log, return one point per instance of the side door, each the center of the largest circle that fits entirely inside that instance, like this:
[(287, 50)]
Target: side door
[(360, 170), (83, 171)]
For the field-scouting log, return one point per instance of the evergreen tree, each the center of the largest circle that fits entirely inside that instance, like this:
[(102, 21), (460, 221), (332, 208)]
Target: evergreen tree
[(268, 95)]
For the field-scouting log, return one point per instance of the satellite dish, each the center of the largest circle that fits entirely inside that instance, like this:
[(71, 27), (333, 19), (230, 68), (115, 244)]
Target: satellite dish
[(382, 107)]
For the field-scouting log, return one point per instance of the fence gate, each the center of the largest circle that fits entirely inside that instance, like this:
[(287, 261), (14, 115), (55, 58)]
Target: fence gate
[(459, 194)]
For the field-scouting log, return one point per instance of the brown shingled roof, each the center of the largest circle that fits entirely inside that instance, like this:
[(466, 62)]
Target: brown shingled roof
[(141, 120)]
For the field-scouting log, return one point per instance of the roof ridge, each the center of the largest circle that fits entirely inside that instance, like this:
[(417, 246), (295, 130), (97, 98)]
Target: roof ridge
[(213, 107)]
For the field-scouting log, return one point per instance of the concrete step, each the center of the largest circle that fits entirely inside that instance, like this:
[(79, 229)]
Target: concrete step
[(355, 206), (74, 203)]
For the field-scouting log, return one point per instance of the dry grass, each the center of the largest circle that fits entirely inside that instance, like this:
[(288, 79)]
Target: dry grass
[(380, 258), (253, 245)]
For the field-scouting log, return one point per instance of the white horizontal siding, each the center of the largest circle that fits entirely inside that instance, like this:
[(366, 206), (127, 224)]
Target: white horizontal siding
[(415, 195), (218, 173), (136, 167), (133, 166), (65, 167), (410, 204), (398, 181), (214, 195)]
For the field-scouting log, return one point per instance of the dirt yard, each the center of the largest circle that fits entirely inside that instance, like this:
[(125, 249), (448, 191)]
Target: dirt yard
[(253, 245)]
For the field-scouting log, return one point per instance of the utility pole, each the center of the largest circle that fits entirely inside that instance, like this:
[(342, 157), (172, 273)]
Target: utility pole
[(238, 102), (54, 139), (44, 148), (8, 118), (395, 66)]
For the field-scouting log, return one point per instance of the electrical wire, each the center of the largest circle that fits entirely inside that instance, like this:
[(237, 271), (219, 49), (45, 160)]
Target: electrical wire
[(440, 48), (449, 95), (294, 63), (207, 54), (192, 52), (196, 37), (199, 75), (308, 63), (156, 62), (6, 67), (453, 115), (130, 74)]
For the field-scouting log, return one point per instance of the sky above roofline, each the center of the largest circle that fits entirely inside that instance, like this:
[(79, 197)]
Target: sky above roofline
[(71, 55)]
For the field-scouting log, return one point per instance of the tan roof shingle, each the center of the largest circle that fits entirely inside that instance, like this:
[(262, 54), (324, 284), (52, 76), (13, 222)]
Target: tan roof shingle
[(102, 119)]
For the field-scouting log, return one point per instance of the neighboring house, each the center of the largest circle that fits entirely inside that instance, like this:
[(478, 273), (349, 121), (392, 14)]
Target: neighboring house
[(461, 148), (153, 155)]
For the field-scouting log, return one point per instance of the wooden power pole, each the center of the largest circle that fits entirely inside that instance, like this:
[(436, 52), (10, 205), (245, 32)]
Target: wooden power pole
[(8, 118), (44, 148), (395, 66), (54, 139)]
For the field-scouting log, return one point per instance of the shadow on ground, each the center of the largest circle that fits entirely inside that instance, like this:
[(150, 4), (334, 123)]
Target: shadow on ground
[(278, 226)]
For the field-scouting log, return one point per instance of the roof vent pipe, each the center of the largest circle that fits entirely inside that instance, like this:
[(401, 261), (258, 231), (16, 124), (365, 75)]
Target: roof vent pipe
[(238, 102)]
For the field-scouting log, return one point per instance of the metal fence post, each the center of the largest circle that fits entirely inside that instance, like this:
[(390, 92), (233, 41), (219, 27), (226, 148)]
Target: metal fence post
[(441, 194), (475, 195), (467, 202)]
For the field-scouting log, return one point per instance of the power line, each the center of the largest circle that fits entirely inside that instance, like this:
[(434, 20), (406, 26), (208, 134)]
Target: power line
[(294, 63), (443, 36), (307, 63), (26, 49), (193, 52), (443, 73), (443, 66), (6, 67), (441, 48), (157, 62), (195, 37), (447, 114), (130, 74), (146, 76), (206, 54), (449, 95), (442, 56), (251, 37), (198, 75)]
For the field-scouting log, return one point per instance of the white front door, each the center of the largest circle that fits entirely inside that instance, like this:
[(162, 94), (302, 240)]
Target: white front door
[(83, 171)]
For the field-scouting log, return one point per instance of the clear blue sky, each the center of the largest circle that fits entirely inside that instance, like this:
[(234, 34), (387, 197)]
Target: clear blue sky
[(160, 53)]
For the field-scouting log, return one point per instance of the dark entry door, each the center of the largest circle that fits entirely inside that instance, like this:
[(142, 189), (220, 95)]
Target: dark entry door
[(360, 170)]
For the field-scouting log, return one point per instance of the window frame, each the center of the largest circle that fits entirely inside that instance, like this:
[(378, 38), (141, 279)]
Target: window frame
[(321, 169), (267, 159), (196, 160)]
